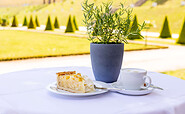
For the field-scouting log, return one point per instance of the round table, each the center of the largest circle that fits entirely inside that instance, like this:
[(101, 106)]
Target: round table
[(24, 92)]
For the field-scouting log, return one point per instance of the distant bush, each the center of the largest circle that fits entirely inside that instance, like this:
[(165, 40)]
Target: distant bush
[(165, 32), (56, 23), (5, 22), (37, 22), (31, 24), (181, 39), (25, 23), (14, 22), (133, 29), (75, 23), (70, 26), (49, 25), (0, 20)]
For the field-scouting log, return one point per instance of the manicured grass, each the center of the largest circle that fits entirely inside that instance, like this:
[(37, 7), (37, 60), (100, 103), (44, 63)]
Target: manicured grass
[(21, 44), (177, 73)]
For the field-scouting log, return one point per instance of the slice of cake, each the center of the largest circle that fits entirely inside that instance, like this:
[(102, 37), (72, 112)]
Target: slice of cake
[(74, 82)]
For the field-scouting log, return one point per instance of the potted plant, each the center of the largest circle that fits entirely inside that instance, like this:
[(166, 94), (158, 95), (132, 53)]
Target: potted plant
[(108, 30)]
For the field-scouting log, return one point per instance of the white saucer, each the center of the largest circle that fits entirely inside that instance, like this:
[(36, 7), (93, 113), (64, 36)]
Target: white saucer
[(53, 88), (132, 92)]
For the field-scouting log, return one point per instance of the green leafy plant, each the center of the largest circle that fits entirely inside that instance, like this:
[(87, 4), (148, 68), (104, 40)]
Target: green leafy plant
[(107, 25), (14, 22)]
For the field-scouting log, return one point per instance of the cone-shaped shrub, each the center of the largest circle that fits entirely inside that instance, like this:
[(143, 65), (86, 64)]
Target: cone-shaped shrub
[(134, 28), (37, 22), (75, 23), (181, 39), (56, 23), (0, 20), (165, 32), (14, 22), (25, 23), (31, 24), (49, 25), (70, 26)]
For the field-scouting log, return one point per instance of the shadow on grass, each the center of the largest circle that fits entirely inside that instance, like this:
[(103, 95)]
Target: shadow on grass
[(160, 2)]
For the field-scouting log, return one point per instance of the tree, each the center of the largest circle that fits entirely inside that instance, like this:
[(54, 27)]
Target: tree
[(134, 28), (25, 23), (49, 25), (75, 23), (5, 22), (31, 24), (70, 26), (37, 22), (14, 22), (165, 32), (56, 23), (181, 39)]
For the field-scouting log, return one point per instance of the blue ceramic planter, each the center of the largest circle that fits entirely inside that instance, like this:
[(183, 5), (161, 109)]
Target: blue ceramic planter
[(106, 60)]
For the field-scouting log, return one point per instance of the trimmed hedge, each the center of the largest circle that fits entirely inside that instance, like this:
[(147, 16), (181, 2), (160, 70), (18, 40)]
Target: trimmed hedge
[(165, 32), (56, 23), (14, 22), (134, 28), (75, 23), (37, 22), (49, 25), (70, 25), (25, 23), (31, 24), (181, 39)]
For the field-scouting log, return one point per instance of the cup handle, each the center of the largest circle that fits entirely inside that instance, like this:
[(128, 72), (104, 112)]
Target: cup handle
[(149, 83)]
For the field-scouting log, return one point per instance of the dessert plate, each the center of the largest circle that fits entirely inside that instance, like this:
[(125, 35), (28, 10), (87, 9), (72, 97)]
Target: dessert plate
[(53, 88), (132, 92)]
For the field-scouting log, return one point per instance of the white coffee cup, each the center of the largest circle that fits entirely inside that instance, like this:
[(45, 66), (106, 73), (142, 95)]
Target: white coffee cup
[(133, 78)]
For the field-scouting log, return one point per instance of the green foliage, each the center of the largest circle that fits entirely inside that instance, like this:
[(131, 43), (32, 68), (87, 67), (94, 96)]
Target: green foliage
[(14, 22), (31, 24), (133, 29), (75, 23), (49, 25), (5, 22), (37, 22), (25, 23), (107, 25), (56, 23), (0, 20), (70, 25), (181, 39), (165, 32)]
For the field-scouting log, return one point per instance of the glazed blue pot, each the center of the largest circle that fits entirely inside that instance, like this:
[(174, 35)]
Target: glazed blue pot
[(106, 60)]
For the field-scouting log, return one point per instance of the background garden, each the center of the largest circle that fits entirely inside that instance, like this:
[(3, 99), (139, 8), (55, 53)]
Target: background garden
[(46, 28)]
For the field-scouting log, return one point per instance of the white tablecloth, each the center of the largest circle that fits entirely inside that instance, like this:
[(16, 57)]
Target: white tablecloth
[(25, 92)]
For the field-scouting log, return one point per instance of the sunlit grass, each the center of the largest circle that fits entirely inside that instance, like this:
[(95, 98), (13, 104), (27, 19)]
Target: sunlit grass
[(22, 44), (177, 73)]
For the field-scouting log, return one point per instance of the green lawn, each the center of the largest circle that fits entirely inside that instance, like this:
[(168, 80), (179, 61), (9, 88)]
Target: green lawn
[(22, 44), (177, 73)]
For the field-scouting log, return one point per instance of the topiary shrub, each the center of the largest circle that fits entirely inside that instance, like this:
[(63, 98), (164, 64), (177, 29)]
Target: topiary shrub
[(56, 23), (134, 28), (70, 26), (37, 22), (25, 23), (5, 22), (49, 25), (31, 24), (0, 20), (75, 23), (181, 39), (14, 22), (165, 32)]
